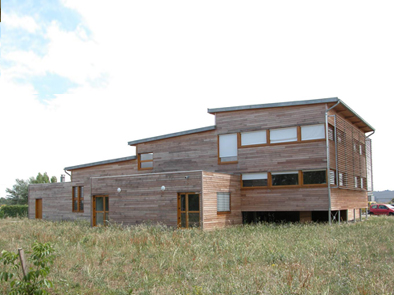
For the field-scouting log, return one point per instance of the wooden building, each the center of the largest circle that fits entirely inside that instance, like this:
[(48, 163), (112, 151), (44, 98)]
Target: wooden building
[(296, 161)]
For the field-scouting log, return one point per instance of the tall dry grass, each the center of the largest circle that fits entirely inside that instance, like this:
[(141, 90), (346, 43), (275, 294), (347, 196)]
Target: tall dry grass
[(254, 259)]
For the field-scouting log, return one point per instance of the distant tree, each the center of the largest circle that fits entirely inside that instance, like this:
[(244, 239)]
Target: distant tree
[(19, 192), (5, 201), (392, 201)]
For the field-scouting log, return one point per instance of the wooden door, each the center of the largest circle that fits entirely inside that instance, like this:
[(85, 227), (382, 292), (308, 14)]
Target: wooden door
[(188, 210), (100, 210), (38, 208)]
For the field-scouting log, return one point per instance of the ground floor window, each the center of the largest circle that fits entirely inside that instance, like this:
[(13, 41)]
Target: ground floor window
[(284, 178), (223, 202), (77, 199), (314, 177)]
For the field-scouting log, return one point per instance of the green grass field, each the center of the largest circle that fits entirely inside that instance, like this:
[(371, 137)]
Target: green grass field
[(256, 259)]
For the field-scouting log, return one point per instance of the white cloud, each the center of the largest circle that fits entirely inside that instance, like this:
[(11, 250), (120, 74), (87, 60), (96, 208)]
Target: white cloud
[(22, 22)]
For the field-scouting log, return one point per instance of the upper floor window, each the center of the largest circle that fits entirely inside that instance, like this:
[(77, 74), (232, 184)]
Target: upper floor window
[(145, 161), (253, 138), (284, 178), (283, 135), (228, 148), (254, 179), (314, 177), (77, 199), (312, 132)]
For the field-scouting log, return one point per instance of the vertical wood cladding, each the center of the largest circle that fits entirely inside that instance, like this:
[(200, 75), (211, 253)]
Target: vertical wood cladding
[(212, 184)]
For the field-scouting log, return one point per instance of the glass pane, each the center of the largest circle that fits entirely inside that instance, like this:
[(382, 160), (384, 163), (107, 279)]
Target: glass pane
[(183, 202), (194, 204), (284, 179), (99, 218), (312, 132), (75, 205), (99, 204), (75, 194), (106, 218), (81, 194), (254, 182), (194, 219), (228, 145), (223, 202), (255, 137), (106, 204), (146, 164), (145, 157), (283, 135), (314, 177), (229, 159), (81, 205), (183, 219)]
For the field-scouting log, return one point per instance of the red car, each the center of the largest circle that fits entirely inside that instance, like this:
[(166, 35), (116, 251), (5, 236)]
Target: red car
[(381, 209)]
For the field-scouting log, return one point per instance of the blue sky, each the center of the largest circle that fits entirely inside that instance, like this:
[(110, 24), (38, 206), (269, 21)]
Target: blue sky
[(79, 79)]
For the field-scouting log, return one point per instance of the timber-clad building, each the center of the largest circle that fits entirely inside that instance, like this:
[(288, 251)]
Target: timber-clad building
[(296, 161)]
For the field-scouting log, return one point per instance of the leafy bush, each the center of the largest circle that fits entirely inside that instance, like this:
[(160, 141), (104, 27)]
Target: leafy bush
[(13, 211), (34, 282)]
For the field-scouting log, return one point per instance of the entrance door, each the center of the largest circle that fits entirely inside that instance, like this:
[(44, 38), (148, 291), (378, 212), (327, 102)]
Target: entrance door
[(100, 210), (38, 208), (188, 210)]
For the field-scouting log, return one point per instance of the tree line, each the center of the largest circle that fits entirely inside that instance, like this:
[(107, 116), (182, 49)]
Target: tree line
[(17, 195)]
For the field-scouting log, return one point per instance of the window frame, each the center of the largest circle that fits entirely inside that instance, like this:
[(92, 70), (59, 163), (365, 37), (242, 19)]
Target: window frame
[(252, 187), (79, 199), (303, 184), (229, 203), (314, 139), (237, 134), (267, 135), (140, 161), (284, 173)]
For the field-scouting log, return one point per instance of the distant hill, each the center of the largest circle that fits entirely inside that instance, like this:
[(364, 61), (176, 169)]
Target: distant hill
[(384, 196)]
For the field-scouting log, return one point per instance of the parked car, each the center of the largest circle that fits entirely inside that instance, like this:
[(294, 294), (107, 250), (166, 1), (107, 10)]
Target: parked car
[(381, 209)]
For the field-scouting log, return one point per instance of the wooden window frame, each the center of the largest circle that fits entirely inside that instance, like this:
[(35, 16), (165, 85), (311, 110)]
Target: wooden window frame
[(144, 161), (229, 204), (78, 199), (299, 185), (313, 184), (267, 135), (238, 145)]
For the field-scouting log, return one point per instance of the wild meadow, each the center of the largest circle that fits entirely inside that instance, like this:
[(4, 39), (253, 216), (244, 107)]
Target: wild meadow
[(251, 259)]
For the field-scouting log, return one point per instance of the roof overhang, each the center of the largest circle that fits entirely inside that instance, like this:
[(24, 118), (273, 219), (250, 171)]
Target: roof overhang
[(165, 136), (341, 108), (100, 163)]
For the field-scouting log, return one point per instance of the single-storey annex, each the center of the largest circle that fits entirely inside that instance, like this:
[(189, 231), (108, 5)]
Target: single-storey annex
[(299, 161)]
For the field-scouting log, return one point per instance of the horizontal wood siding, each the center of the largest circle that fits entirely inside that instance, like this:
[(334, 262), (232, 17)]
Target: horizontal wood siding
[(291, 199), (212, 184), (57, 201), (248, 120), (141, 199), (348, 199), (119, 168)]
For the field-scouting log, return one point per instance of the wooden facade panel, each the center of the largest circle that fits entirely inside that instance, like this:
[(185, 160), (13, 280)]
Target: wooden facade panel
[(296, 199), (248, 120), (212, 184), (348, 199), (57, 201)]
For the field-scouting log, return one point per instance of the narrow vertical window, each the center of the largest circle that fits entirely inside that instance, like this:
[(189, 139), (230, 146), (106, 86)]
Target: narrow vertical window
[(145, 161), (223, 201), (340, 176), (77, 199), (228, 148)]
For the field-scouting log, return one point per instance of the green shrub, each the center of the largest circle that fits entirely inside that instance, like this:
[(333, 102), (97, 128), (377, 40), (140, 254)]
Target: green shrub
[(34, 282), (13, 211)]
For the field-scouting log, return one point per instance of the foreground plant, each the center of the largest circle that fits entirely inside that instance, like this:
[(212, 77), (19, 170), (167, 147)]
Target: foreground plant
[(31, 281)]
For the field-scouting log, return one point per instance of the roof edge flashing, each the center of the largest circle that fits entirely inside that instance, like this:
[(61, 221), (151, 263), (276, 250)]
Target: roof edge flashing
[(100, 163)]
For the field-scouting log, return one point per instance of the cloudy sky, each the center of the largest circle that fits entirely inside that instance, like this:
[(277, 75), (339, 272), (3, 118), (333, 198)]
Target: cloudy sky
[(79, 79)]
